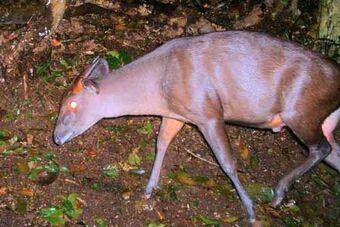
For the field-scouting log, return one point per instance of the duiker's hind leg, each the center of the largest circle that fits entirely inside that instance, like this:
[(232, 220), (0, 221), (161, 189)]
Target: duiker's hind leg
[(328, 127), (319, 148)]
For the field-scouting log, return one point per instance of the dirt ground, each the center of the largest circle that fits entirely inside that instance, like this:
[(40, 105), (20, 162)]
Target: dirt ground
[(98, 179)]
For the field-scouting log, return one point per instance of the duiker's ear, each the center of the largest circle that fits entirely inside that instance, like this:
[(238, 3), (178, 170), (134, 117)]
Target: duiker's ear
[(91, 86), (98, 69)]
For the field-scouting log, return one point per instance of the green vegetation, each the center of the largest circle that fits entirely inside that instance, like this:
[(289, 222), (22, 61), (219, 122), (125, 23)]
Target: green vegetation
[(146, 129), (100, 222), (111, 171), (48, 74), (209, 221), (70, 207), (117, 59)]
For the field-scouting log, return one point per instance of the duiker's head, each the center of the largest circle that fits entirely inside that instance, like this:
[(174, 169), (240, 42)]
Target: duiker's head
[(81, 106)]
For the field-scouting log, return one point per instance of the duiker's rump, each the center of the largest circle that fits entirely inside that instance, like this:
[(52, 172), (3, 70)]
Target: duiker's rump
[(240, 77)]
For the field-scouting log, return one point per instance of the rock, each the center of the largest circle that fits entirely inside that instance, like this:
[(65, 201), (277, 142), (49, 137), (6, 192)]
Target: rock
[(202, 26)]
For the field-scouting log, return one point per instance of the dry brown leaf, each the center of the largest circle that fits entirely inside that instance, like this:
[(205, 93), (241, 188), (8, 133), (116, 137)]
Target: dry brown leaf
[(245, 152), (210, 183), (23, 166), (120, 24), (125, 166), (91, 152), (78, 168), (29, 139), (243, 148), (55, 42), (178, 21), (3, 190), (253, 18), (144, 10), (26, 192), (41, 47), (161, 216), (126, 194)]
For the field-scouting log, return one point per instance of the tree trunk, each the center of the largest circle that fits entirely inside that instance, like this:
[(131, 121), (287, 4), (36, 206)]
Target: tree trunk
[(329, 28)]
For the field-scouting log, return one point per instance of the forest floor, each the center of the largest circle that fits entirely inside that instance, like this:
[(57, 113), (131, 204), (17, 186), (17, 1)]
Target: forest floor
[(99, 178)]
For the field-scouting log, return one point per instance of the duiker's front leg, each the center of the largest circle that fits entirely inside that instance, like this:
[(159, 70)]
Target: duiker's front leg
[(215, 135), (168, 130)]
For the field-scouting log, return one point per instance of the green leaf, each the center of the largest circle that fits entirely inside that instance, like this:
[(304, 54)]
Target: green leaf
[(114, 63), (35, 158), (266, 194), (51, 167), (285, 2), (50, 156), (151, 156), (21, 205), (116, 59), (270, 151), (125, 58), (146, 129), (172, 193), (155, 225), (71, 206), (291, 222), (7, 152), (34, 173), (63, 169), (194, 203), (95, 186), (209, 221), (254, 162), (230, 219), (46, 73), (64, 63), (42, 69), (2, 135), (260, 192), (111, 171), (134, 159), (20, 151), (53, 215), (172, 175), (118, 130), (113, 53), (336, 189), (100, 222), (14, 139)]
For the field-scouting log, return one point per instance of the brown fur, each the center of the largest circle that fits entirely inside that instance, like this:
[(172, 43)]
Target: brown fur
[(241, 77)]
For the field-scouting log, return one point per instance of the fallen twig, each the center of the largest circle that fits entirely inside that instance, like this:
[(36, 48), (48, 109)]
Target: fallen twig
[(200, 158), (71, 181)]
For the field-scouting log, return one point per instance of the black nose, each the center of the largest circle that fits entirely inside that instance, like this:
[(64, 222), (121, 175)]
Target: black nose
[(57, 140)]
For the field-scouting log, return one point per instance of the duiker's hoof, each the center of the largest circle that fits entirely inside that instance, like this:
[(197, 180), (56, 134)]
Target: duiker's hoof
[(276, 201), (147, 195), (255, 223)]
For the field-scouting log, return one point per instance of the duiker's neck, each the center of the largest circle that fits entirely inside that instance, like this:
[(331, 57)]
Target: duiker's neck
[(133, 90)]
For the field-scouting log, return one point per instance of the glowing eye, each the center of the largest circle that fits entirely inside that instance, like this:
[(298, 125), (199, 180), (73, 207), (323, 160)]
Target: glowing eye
[(73, 105)]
